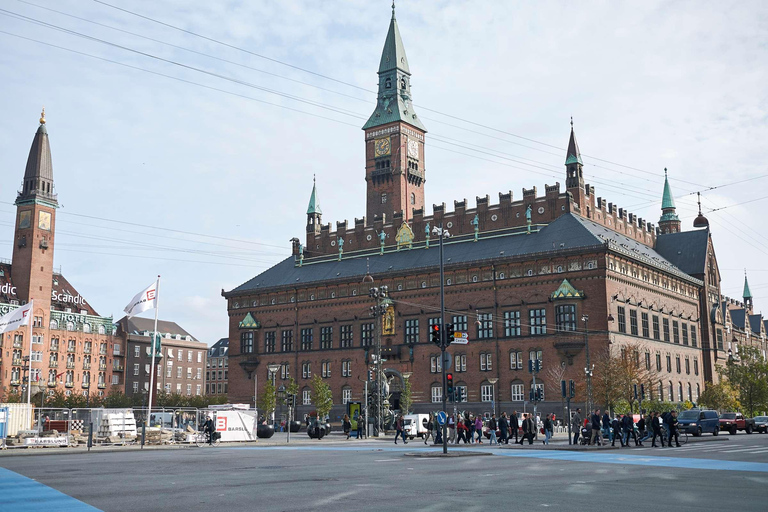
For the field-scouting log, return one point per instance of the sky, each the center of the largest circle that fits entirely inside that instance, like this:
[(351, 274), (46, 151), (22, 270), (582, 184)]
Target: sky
[(192, 157)]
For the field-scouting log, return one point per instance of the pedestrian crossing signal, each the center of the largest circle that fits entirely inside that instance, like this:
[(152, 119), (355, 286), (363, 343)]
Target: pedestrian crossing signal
[(449, 380), (435, 335)]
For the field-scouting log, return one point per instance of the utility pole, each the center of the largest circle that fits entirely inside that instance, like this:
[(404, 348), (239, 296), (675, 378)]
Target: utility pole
[(377, 312), (588, 369), (442, 234)]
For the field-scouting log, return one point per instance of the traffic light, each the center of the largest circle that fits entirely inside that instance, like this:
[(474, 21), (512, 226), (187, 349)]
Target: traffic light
[(449, 380), (642, 391), (538, 365), (572, 388), (435, 334), (449, 330), (459, 393), (563, 389)]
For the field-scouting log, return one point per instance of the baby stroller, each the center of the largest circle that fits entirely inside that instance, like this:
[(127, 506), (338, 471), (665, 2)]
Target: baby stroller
[(586, 434)]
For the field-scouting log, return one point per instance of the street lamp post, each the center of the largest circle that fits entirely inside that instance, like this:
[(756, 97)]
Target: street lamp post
[(588, 368), (378, 311), (442, 235), (273, 369), (493, 382), (281, 395)]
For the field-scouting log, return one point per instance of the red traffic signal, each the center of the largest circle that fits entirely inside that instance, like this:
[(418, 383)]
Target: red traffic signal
[(434, 334), (449, 380)]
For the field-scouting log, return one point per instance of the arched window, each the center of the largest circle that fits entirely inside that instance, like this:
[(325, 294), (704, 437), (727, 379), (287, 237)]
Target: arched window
[(54, 324), (388, 83), (413, 198), (102, 329), (680, 391), (86, 327), (70, 326), (690, 393)]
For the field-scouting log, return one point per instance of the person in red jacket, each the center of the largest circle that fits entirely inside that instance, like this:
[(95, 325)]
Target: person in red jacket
[(462, 431)]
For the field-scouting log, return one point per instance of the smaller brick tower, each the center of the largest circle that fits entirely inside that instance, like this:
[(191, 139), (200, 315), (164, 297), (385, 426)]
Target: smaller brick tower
[(36, 205), (747, 295), (314, 214), (394, 139), (669, 221)]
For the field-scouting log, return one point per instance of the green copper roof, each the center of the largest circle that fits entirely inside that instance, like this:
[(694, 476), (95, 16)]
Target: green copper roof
[(393, 55), (567, 291), (747, 293), (667, 201), (574, 155), (394, 98), (314, 206), (249, 323)]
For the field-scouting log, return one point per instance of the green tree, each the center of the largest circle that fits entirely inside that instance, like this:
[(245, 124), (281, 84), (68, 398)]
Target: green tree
[(116, 399), (322, 398), (749, 377), (266, 401), (13, 396), (721, 396), (406, 398)]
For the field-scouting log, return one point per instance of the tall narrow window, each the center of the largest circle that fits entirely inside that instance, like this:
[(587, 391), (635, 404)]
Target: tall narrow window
[(286, 341), (644, 321), (246, 342), (346, 336), (565, 317), (412, 330), (633, 322), (326, 337), (656, 332), (511, 323), (485, 329), (538, 321), (306, 339), (366, 334), (622, 319)]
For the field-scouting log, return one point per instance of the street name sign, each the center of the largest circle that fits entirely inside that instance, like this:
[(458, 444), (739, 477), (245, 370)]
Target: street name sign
[(460, 338)]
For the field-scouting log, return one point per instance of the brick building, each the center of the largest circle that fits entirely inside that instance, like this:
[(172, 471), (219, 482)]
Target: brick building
[(73, 348), (521, 276), (217, 372), (180, 365)]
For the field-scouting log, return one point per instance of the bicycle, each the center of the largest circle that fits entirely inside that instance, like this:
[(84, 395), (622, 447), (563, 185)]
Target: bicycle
[(202, 438)]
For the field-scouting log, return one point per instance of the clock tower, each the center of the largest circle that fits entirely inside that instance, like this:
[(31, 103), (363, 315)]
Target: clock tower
[(36, 204), (394, 139)]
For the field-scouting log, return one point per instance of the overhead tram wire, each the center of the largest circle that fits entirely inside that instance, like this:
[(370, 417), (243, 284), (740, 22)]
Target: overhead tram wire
[(320, 75), (236, 81)]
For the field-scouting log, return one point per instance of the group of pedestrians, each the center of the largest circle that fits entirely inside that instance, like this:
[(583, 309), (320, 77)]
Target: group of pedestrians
[(597, 429)]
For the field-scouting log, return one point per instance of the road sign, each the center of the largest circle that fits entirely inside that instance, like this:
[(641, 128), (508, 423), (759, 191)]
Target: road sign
[(460, 338), (447, 359), (441, 417)]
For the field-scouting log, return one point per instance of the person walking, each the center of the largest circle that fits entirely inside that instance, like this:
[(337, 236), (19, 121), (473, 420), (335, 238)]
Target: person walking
[(504, 429), (672, 427), (461, 430), (346, 425), (469, 422), (642, 428), (492, 430), (514, 426), (531, 428), (524, 427), (451, 429), (360, 425), (607, 427), (399, 429), (576, 425), (479, 428), (430, 428), (656, 426), (597, 437), (629, 430), (616, 425), (548, 429)]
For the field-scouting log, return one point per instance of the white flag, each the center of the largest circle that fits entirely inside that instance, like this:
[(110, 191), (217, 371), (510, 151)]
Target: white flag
[(16, 318), (144, 300)]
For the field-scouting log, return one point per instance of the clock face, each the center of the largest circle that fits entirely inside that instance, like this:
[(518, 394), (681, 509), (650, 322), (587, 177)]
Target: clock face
[(413, 149), (25, 219), (44, 221), (381, 147)]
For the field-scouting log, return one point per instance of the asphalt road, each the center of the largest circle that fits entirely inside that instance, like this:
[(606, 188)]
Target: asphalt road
[(713, 473)]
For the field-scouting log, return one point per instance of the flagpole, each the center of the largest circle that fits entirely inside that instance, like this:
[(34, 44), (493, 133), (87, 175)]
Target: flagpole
[(29, 375), (152, 342)]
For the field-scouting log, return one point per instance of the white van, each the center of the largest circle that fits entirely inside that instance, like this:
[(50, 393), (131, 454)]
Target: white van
[(415, 425)]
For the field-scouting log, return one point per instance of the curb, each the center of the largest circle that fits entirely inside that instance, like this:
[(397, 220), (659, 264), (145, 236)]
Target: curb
[(433, 455)]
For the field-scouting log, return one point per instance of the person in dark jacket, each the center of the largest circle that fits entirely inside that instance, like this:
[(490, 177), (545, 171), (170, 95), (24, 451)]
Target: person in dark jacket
[(462, 431), (492, 430), (616, 425), (504, 429), (208, 429), (549, 428), (672, 428), (656, 425), (346, 425), (597, 437), (628, 424), (360, 425), (607, 426), (430, 424), (399, 429), (576, 425), (514, 426)]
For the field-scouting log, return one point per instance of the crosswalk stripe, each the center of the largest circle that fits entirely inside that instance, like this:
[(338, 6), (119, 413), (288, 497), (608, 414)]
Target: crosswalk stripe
[(750, 448)]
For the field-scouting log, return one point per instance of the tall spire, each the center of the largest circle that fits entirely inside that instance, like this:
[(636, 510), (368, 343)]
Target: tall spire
[(669, 222), (314, 206), (394, 98), (573, 155), (37, 185), (747, 292)]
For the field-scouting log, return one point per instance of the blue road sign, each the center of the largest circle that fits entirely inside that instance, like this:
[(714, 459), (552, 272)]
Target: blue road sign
[(441, 417)]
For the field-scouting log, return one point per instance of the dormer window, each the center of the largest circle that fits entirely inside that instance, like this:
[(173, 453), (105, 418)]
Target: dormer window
[(388, 83), (402, 83)]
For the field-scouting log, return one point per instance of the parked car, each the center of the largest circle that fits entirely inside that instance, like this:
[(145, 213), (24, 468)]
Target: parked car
[(761, 424), (735, 421), (699, 421)]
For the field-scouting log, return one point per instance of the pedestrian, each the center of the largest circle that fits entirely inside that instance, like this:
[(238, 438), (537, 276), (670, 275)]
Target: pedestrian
[(656, 426), (469, 421), (642, 428), (597, 437), (514, 426), (548, 428), (451, 429), (616, 425), (504, 429), (607, 427), (360, 425), (531, 428), (462, 431), (524, 426), (479, 428), (346, 425), (629, 430), (576, 425), (399, 429), (430, 428), (492, 430), (672, 428)]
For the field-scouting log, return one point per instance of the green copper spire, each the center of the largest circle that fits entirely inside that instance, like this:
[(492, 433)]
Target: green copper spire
[(394, 98), (314, 206), (573, 155), (747, 293), (667, 201)]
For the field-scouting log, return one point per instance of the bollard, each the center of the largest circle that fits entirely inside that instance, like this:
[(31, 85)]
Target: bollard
[(90, 436), (143, 432)]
